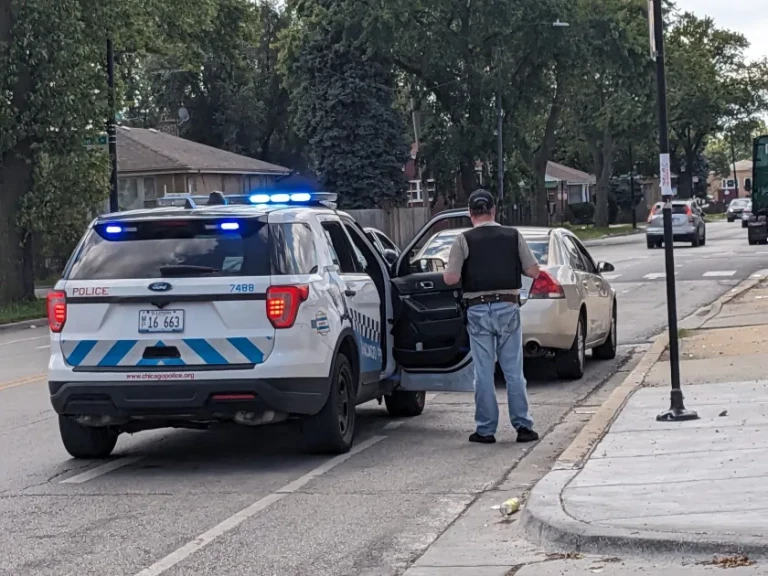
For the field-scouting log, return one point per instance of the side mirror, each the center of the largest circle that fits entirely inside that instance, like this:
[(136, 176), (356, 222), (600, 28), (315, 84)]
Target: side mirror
[(605, 267), (390, 256)]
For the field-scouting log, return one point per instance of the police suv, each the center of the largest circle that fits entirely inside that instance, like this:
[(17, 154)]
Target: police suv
[(250, 311)]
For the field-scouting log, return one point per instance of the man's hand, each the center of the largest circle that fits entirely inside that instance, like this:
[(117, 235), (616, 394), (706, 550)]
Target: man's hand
[(532, 272), (451, 278)]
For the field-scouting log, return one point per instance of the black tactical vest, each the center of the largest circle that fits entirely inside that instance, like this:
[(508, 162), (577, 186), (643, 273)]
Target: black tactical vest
[(494, 260)]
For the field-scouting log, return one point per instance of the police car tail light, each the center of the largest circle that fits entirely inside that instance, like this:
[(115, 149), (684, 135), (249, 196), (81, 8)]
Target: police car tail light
[(283, 304), (57, 310), (546, 287)]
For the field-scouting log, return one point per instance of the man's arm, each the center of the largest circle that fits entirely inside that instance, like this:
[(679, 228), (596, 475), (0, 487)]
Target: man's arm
[(527, 260), (452, 272)]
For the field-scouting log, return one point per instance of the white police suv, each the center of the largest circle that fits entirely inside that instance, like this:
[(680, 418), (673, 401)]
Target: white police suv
[(250, 312)]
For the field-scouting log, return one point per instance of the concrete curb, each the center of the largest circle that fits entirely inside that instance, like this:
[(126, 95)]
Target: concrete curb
[(546, 522), (37, 323)]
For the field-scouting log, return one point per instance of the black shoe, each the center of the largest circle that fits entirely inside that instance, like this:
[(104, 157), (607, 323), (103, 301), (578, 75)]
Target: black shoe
[(526, 435), (480, 439)]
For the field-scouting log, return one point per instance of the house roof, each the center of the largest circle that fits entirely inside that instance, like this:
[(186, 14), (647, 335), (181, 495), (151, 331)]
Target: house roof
[(140, 150), (743, 166), (562, 173)]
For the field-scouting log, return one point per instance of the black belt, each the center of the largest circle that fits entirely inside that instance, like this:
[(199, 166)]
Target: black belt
[(492, 298)]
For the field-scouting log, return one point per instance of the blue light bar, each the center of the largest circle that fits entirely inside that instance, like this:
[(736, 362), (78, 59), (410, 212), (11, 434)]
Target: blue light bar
[(280, 198), (228, 226), (301, 197), (262, 199), (113, 229), (259, 199)]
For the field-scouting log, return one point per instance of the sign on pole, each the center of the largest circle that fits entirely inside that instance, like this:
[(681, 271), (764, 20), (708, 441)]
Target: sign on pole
[(651, 30), (665, 175), (99, 141)]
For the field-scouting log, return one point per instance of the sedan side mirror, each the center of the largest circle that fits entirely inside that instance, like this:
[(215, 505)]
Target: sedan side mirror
[(390, 256), (605, 267)]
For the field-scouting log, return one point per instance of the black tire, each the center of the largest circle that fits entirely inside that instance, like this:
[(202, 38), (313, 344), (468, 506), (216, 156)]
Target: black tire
[(744, 224), (696, 242), (86, 442), (730, 219), (332, 430), (607, 350), (569, 364), (752, 242), (652, 243), (404, 404)]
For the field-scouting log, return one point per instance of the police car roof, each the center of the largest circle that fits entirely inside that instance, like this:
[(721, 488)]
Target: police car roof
[(214, 211)]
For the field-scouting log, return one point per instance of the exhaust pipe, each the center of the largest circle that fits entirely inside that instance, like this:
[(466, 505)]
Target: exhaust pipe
[(532, 348), (259, 419)]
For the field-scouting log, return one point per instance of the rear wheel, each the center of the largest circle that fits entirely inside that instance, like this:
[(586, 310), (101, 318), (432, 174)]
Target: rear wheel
[(570, 363), (607, 350), (652, 243), (332, 430), (696, 242), (744, 224), (403, 404), (85, 441)]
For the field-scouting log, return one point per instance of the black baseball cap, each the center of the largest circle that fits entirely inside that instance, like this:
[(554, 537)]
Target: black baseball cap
[(481, 201)]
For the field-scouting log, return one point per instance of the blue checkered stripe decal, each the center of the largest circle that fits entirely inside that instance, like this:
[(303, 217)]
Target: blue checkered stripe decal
[(192, 352), (368, 334)]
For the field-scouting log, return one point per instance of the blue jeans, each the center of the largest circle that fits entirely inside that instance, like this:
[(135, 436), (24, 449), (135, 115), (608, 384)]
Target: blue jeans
[(495, 331)]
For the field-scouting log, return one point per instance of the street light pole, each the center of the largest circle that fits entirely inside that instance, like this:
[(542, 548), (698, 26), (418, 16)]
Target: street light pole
[(677, 410), (632, 188), (111, 126), (500, 147)]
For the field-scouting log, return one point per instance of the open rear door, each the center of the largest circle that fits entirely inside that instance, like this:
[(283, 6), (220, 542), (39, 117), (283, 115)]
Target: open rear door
[(431, 343)]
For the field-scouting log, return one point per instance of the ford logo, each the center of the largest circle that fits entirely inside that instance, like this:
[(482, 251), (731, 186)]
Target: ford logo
[(160, 287)]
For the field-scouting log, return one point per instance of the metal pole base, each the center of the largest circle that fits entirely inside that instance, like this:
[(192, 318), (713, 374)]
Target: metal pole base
[(677, 411)]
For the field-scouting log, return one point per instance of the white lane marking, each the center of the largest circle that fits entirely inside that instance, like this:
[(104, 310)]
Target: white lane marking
[(719, 274), (20, 340), (611, 276), (235, 520), (101, 470), (656, 275), (42, 347), (394, 425)]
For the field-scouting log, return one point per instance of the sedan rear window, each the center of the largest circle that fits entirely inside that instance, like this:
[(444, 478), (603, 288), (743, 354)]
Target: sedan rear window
[(540, 249), (162, 249)]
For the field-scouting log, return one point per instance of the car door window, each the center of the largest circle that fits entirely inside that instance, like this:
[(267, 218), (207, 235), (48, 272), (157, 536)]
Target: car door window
[(346, 254), (573, 255), (386, 242), (589, 264)]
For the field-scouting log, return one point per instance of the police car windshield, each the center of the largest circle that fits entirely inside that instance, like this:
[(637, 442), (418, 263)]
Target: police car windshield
[(154, 249)]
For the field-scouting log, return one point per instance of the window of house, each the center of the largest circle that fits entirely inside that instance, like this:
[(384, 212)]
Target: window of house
[(748, 184), (414, 191), (128, 197), (149, 189), (576, 193), (431, 189), (729, 184)]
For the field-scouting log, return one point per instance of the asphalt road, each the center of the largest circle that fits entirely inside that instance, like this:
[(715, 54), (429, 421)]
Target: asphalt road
[(239, 501)]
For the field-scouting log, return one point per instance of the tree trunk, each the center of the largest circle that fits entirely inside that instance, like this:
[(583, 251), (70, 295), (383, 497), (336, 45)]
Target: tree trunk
[(604, 180), (468, 179), (16, 266)]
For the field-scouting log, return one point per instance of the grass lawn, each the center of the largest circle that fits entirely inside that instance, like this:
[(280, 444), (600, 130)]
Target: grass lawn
[(589, 232), (714, 217), (18, 311)]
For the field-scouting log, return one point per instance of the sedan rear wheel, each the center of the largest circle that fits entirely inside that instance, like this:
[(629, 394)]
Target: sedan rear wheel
[(607, 350), (570, 363)]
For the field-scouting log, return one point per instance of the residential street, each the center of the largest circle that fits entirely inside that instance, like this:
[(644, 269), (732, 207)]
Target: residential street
[(251, 501)]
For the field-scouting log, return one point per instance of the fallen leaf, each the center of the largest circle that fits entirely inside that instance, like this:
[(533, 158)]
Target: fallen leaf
[(729, 562), (723, 413), (565, 556)]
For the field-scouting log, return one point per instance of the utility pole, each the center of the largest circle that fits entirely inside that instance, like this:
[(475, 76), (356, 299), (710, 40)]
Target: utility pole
[(632, 188), (111, 126), (677, 411), (733, 160), (500, 147)]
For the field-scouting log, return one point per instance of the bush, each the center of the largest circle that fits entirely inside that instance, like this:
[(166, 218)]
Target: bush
[(582, 213)]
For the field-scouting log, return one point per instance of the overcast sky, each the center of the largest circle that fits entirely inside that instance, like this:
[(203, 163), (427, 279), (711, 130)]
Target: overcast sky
[(750, 17)]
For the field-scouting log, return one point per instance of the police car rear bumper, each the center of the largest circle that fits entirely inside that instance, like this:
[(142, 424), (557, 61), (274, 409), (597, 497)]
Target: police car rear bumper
[(192, 400)]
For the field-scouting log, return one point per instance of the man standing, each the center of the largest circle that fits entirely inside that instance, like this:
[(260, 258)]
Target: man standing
[(489, 261)]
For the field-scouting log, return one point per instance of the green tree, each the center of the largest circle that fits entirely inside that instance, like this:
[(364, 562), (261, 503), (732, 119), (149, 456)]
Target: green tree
[(711, 86), (611, 97), (338, 67)]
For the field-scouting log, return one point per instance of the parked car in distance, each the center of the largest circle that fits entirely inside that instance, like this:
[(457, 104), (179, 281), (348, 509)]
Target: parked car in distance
[(383, 244), (569, 309), (736, 208), (687, 224), (745, 214)]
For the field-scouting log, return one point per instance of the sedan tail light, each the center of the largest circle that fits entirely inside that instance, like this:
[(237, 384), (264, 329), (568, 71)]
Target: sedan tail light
[(283, 304), (57, 310), (546, 287)]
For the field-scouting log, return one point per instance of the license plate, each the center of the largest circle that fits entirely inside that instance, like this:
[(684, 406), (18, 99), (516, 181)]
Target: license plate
[(152, 321)]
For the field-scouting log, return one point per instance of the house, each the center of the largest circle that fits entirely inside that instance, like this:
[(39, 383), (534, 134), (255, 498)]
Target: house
[(567, 186), (736, 185), (151, 164)]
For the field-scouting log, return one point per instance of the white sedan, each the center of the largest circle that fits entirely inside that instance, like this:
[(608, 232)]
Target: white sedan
[(569, 309)]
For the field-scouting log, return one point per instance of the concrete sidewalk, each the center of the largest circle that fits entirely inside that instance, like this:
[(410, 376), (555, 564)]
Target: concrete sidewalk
[(690, 489)]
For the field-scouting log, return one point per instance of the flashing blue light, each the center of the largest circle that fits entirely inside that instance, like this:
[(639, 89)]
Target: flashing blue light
[(113, 229), (259, 198), (229, 226), (280, 198), (301, 197)]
